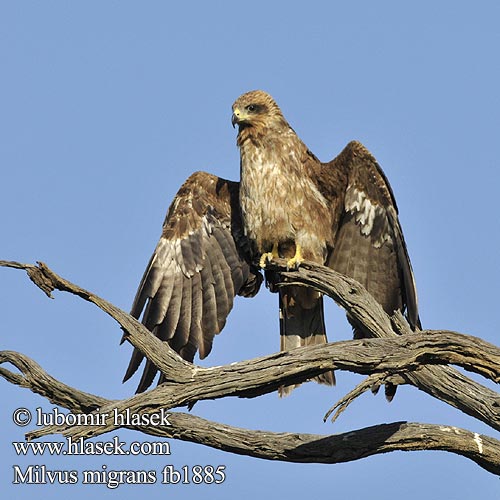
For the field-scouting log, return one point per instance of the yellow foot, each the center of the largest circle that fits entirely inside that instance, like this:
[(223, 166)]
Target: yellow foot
[(269, 256), (297, 259)]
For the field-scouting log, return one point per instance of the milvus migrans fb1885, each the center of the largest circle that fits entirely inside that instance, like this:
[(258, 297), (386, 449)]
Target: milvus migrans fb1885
[(217, 233)]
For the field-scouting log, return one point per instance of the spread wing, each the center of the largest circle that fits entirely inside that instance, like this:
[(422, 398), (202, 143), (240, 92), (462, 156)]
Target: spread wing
[(369, 245), (200, 264)]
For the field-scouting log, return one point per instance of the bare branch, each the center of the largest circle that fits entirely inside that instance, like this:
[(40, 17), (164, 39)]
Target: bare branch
[(260, 375), (174, 366), (375, 379), (346, 447), (411, 358), (35, 378), (290, 447), (442, 382)]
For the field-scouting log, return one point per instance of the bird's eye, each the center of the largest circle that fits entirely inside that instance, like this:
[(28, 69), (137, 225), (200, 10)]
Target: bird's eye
[(251, 108)]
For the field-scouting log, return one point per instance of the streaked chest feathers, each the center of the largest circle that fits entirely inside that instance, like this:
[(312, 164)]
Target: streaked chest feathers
[(278, 199)]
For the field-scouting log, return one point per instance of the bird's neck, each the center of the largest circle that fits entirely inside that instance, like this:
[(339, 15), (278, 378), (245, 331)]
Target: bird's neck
[(269, 140), (250, 136), (261, 131)]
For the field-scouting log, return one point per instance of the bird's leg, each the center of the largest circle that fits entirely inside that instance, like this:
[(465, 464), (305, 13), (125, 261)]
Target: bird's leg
[(269, 256), (297, 259)]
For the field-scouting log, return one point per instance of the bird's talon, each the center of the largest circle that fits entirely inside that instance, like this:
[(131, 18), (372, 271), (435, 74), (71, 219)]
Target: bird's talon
[(265, 258), (296, 260), (294, 263), (269, 256)]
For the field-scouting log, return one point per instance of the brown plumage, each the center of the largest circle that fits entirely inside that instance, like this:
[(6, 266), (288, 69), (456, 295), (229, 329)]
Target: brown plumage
[(200, 264), (341, 214)]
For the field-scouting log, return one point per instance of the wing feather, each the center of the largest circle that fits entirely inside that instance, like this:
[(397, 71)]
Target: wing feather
[(196, 331), (157, 309), (209, 318), (219, 285), (200, 263), (409, 288), (168, 324), (182, 311), (148, 374), (226, 264), (369, 245)]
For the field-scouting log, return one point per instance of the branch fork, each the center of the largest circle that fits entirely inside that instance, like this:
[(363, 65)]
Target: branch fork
[(419, 359)]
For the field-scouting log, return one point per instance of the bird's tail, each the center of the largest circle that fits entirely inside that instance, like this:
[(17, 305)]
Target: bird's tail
[(302, 323)]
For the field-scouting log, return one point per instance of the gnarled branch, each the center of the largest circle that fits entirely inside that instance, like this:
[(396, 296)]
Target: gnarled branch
[(416, 359), (291, 447)]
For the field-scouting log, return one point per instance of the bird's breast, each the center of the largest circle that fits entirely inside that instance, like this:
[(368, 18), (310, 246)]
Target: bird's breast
[(262, 193), (276, 197)]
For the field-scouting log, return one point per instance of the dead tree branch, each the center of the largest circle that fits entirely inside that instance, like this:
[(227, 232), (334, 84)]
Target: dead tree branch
[(416, 359), (290, 447)]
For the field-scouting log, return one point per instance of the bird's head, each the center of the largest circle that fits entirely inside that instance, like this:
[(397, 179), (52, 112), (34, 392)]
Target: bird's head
[(256, 109)]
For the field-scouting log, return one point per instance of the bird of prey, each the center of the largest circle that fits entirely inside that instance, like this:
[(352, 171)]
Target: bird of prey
[(219, 234)]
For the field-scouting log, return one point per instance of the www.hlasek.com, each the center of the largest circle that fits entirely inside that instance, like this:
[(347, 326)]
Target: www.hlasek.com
[(40, 474)]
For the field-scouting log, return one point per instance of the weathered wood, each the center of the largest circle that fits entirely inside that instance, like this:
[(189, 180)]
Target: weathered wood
[(346, 447), (399, 355), (442, 382), (416, 359), (290, 447), (35, 378), (157, 351)]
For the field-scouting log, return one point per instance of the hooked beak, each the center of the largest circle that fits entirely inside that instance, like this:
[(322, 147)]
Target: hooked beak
[(236, 117)]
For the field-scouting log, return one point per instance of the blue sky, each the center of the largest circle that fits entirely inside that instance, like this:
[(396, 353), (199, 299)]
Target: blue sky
[(106, 107)]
